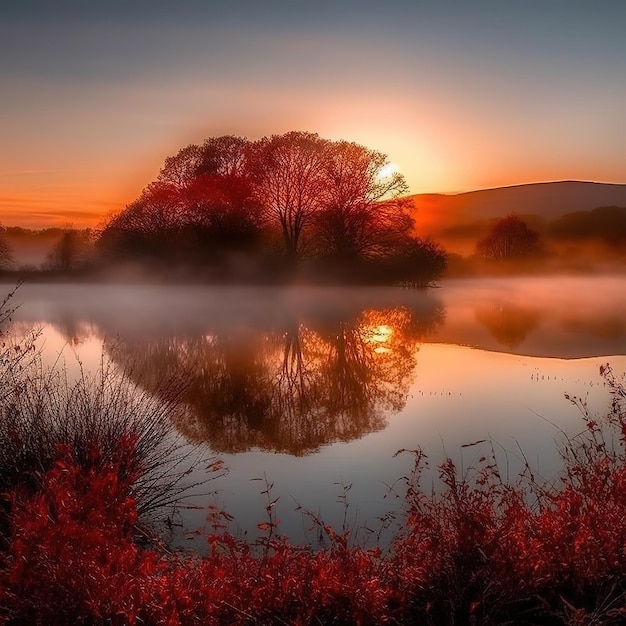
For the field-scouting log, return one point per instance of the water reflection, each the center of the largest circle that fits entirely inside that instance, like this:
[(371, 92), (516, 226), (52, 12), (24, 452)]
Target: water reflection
[(291, 388), (292, 370), (603, 326), (509, 324), (75, 330)]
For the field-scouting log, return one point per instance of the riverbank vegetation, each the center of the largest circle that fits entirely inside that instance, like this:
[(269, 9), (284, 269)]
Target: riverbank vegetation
[(86, 463)]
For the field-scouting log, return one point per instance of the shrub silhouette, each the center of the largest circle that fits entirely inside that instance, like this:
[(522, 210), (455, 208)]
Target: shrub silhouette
[(509, 238)]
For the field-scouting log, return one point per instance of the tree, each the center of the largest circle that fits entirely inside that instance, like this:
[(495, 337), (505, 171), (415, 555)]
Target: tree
[(509, 238), (289, 174), (181, 169), (417, 263), (71, 250), (220, 201), (6, 256), (362, 214), (225, 156), (199, 208), (222, 159), (145, 227)]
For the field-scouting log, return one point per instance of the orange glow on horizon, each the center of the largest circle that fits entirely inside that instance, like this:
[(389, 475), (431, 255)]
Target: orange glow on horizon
[(49, 199), (47, 211), (455, 96), (40, 198)]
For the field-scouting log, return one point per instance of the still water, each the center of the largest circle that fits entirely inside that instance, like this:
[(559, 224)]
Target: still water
[(315, 388)]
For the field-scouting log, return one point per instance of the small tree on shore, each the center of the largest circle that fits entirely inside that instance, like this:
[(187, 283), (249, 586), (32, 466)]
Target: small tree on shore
[(71, 251), (509, 238)]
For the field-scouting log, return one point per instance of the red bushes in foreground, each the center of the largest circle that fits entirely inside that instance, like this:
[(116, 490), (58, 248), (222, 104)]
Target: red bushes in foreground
[(482, 552), (72, 558), (487, 556)]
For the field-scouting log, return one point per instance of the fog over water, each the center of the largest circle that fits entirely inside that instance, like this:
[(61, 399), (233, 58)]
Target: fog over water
[(317, 386)]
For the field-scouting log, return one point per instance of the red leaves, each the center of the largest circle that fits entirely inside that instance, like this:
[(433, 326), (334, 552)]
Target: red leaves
[(72, 558), (478, 552)]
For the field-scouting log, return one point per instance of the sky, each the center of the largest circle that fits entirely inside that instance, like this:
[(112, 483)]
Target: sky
[(461, 95)]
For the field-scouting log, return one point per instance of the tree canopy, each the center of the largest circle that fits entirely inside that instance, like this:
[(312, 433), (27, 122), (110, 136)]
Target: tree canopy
[(289, 183), (362, 212), (286, 197)]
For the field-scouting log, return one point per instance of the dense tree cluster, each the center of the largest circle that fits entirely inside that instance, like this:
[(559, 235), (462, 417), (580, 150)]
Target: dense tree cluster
[(199, 208), (274, 203)]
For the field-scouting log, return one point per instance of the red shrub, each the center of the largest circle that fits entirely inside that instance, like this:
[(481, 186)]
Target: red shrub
[(71, 551)]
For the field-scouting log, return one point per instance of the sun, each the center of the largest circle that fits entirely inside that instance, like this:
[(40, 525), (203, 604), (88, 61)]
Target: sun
[(380, 335), (388, 170)]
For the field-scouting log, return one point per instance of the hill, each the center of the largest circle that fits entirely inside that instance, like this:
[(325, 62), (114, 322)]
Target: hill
[(453, 219)]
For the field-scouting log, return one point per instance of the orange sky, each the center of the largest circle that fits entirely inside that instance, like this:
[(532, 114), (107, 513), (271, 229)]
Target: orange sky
[(460, 95)]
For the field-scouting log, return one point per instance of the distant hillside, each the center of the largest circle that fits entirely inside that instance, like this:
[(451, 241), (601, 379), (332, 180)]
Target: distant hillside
[(450, 218)]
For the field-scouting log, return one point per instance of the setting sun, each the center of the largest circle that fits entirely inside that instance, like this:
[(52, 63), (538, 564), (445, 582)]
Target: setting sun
[(388, 170), (380, 334)]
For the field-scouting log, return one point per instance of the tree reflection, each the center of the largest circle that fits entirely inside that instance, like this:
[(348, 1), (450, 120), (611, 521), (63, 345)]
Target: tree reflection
[(509, 324), (289, 389)]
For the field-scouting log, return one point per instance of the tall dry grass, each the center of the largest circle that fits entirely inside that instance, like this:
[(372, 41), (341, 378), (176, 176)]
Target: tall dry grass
[(44, 410)]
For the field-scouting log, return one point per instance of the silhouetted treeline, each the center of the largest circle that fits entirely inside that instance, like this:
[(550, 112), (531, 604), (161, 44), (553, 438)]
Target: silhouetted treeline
[(285, 205), (584, 241), (606, 224), (51, 249), (6, 256)]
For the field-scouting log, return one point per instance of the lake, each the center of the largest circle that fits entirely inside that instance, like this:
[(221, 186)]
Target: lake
[(315, 388)]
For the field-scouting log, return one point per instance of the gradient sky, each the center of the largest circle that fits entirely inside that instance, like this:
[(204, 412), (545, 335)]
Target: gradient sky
[(461, 95)]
